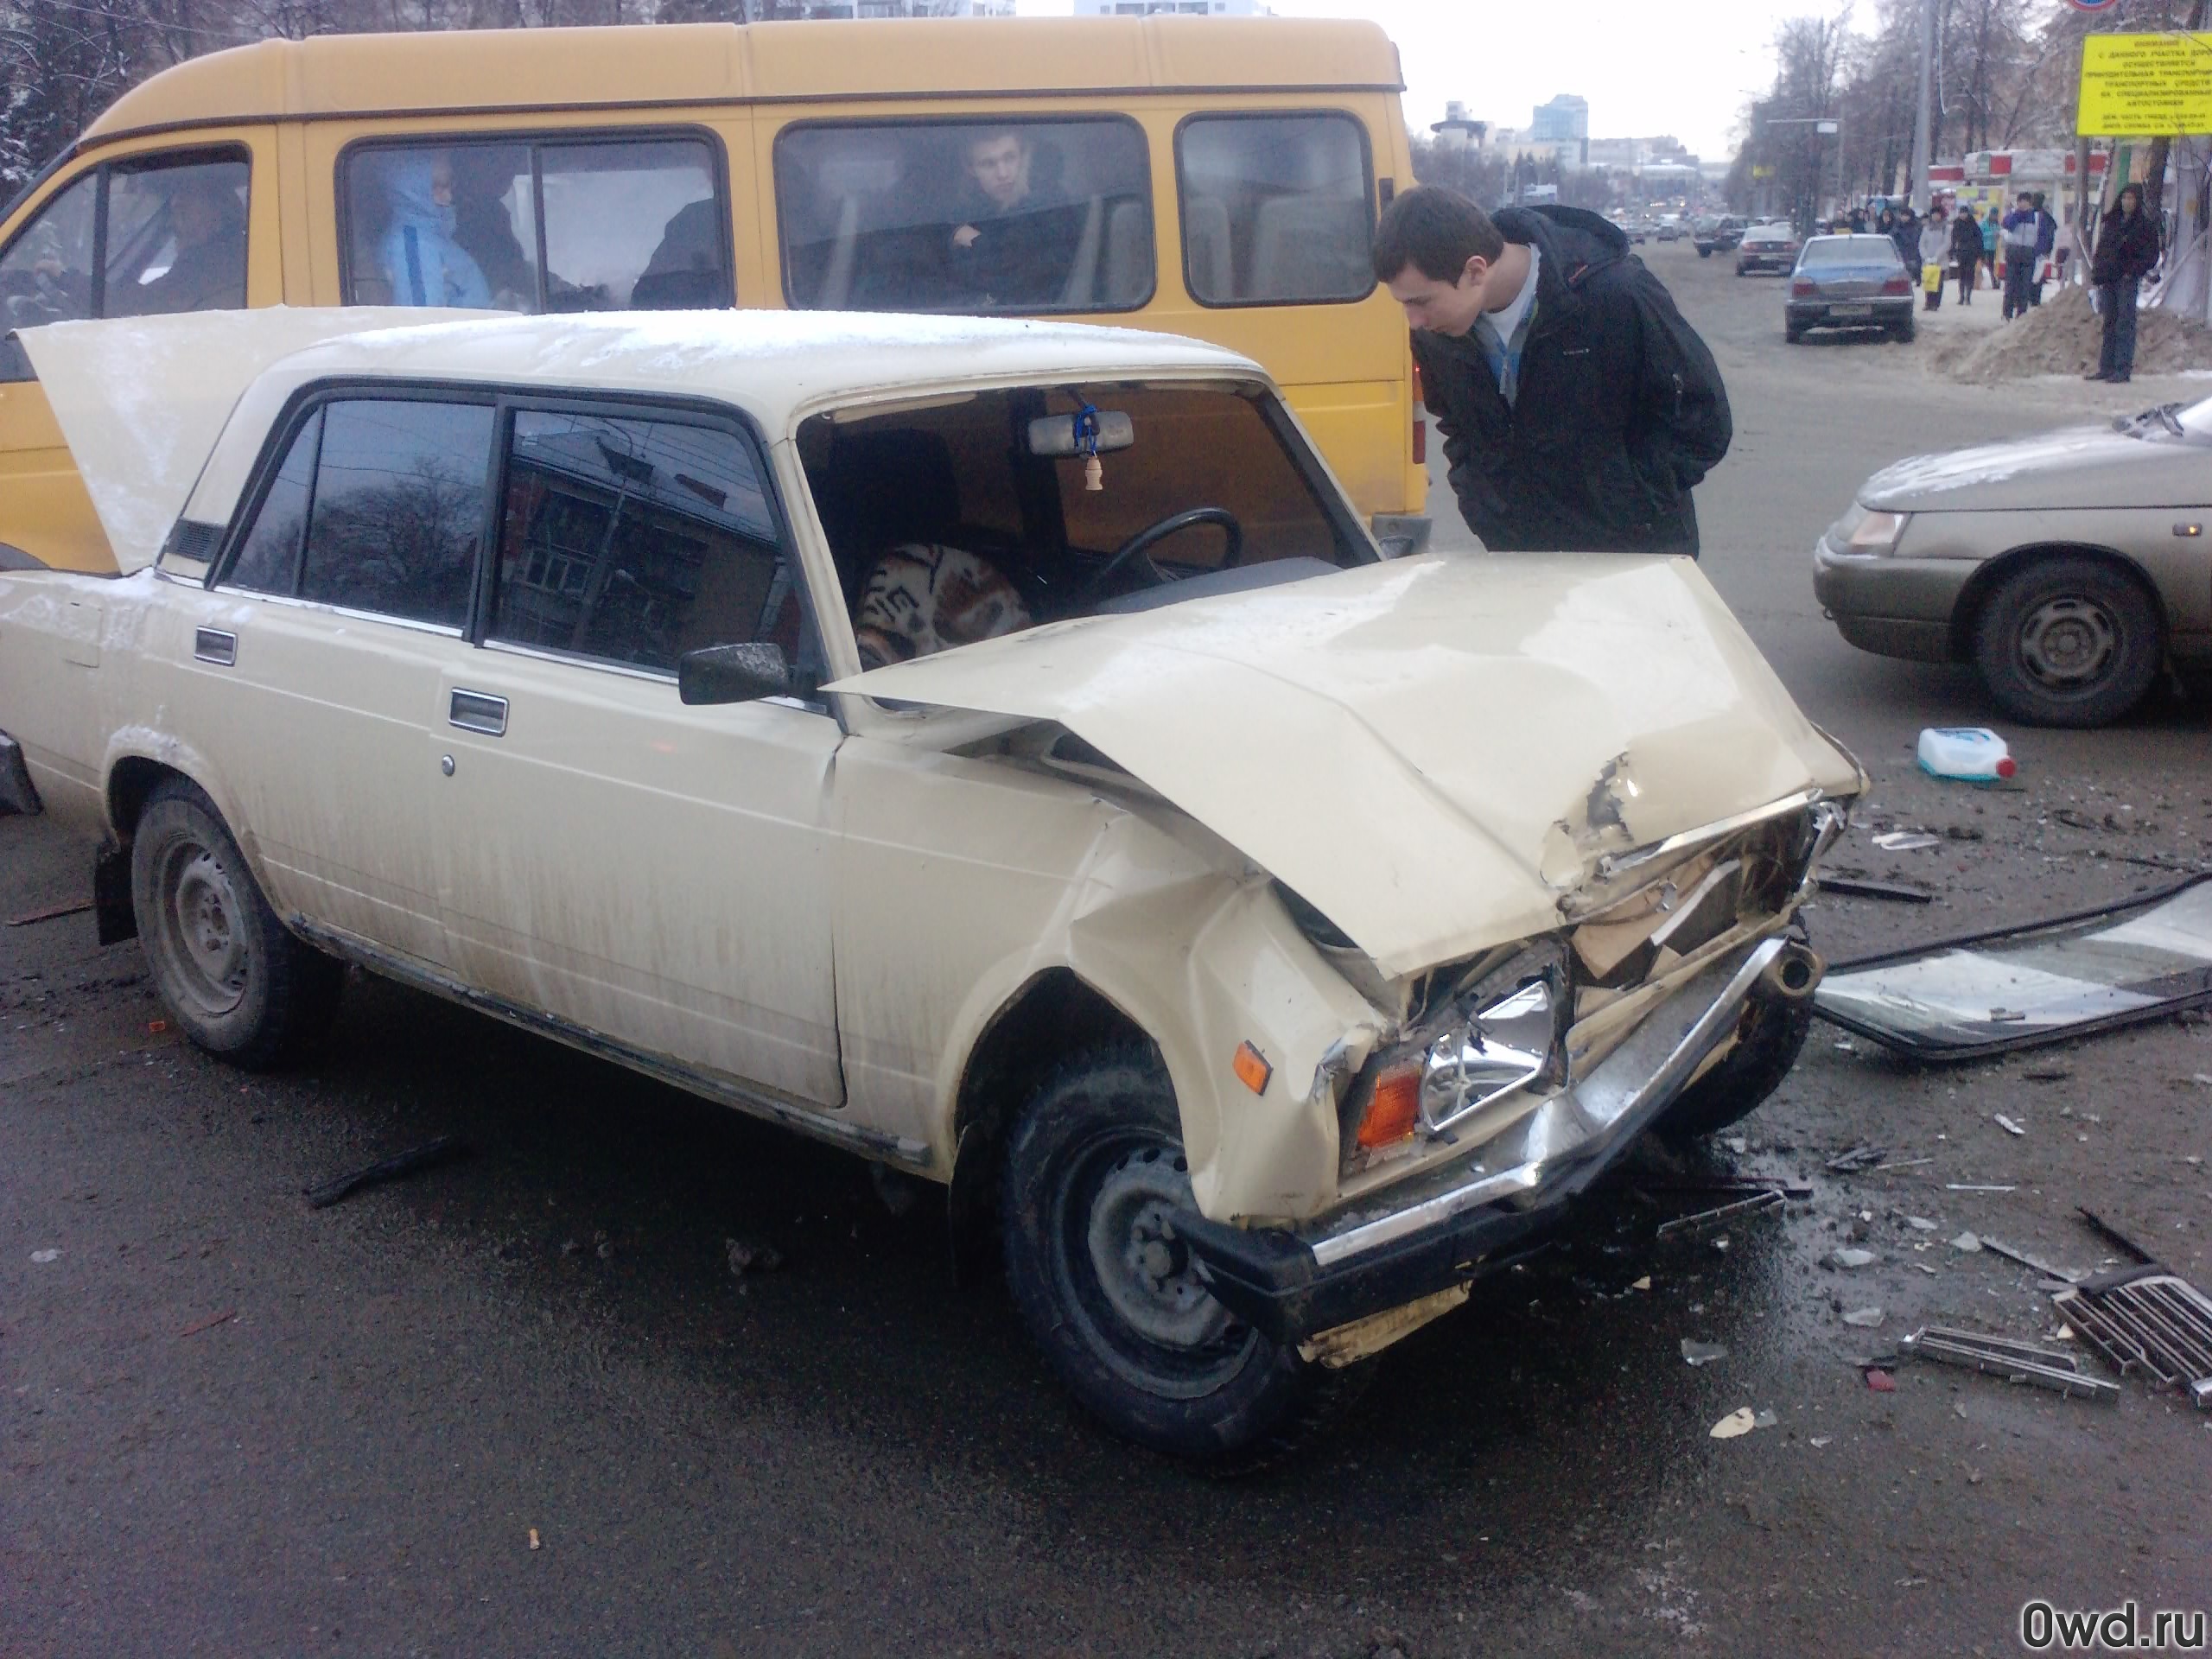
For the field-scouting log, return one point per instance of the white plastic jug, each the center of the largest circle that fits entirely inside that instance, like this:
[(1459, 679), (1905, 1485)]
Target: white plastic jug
[(1973, 754)]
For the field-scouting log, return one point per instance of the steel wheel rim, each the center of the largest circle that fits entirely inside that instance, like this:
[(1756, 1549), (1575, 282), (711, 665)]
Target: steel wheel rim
[(202, 927), (1133, 1286), (2069, 643)]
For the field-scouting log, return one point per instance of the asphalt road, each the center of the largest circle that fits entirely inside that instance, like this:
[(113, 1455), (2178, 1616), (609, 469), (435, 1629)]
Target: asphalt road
[(521, 1406)]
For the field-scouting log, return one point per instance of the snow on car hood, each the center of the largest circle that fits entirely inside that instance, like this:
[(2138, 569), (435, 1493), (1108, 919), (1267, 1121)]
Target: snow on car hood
[(142, 402), (2079, 466), (1434, 752)]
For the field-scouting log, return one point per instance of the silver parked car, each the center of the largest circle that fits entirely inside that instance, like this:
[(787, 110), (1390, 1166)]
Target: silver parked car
[(2066, 568), (1848, 281), (1767, 247)]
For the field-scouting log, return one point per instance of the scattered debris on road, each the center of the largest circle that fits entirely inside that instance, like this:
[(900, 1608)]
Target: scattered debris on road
[(1702, 1353), (2147, 1318), (44, 1256), (2013, 988), (1705, 1221), (1857, 1158), (2007, 1124), (2016, 1362), (1907, 841), (210, 1323), (1852, 887), (2027, 1261), (1865, 1317), (1969, 1242), (50, 913), (745, 1258), (444, 1150), (1879, 1380), (1853, 1258)]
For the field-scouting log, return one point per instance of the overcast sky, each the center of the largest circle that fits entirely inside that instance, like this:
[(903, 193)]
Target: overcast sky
[(1647, 67)]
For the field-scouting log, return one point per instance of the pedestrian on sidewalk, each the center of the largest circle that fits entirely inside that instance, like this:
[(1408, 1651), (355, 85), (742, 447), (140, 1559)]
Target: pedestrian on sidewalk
[(1576, 406), (1966, 250), (2127, 247), (1904, 230), (1934, 250), (2046, 248), (1989, 240), (2022, 227)]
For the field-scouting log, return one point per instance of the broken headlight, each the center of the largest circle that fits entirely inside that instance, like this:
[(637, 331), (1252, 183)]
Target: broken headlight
[(1504, 1029)]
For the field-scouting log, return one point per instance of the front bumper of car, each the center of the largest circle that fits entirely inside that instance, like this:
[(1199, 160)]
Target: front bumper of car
[(1893, 604), (1429, 1236)]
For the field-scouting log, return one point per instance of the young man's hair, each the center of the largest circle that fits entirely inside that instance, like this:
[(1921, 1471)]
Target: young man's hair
[(1434, 230)]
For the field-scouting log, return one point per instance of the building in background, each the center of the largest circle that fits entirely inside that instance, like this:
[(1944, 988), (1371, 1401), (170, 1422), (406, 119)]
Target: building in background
[(1564, 121)]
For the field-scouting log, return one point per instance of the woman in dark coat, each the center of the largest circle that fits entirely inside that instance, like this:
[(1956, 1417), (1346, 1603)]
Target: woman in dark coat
[(1966, 249), (2127, 247)]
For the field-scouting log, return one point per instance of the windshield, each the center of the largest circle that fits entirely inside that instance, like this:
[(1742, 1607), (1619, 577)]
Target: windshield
[(1851, 250), (965, 517)]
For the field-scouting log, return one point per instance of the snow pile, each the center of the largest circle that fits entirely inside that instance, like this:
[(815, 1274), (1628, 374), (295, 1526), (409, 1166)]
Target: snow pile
[(2063, 336)]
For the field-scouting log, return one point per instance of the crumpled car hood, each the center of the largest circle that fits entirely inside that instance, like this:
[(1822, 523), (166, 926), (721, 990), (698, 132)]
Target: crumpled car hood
[(2079, 466), (142, 402), (1434, 752)]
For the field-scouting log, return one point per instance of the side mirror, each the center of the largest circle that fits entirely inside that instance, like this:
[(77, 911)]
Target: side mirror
[(736, 674)]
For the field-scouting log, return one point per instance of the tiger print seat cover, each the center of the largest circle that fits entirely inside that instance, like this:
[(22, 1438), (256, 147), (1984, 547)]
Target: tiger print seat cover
[(925, 597)]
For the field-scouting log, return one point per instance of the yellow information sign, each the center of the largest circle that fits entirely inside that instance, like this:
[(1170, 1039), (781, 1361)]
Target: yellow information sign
[(2143, 85)]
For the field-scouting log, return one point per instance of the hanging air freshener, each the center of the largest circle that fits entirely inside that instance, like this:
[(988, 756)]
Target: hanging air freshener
[(1086, 445)]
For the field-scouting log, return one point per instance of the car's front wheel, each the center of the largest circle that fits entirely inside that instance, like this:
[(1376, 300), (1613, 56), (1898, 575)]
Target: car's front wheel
[(2068, 640), (239, 985), (1094, 1172), (1768, 1042)]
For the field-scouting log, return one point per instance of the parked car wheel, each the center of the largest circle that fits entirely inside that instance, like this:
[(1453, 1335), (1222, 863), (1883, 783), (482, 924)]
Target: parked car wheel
[(239, 986), (1705, 253), (1902, 331), (1094, 1165), (1791, 335), (2068, 641), (1768, 1044)]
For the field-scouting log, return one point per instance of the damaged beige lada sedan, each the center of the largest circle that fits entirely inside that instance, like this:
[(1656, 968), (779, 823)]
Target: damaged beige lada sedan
[(997, 748)]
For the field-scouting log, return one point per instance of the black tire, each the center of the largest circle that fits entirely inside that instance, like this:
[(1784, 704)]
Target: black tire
[(1095, 1156), (1705, 253), (2069, 640), (235, 983), (1768, 1044), (1902, 331), (1792, 336)]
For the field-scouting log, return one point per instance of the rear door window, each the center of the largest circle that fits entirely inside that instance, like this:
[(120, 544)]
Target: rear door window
[(1022, 216), (634, 540), (1277, 209), (555, 224), (396, 513)]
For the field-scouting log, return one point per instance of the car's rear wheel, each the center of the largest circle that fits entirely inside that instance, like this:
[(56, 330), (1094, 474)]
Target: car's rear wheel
[(1093, 1173), (1792, 334), (1902, 331), (2068, 640), (239, 986)]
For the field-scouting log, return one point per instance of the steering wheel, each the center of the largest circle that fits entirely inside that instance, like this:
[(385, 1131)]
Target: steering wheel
[(1136, 548)]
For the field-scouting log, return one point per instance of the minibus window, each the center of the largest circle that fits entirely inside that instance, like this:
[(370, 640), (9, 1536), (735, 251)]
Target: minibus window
[(175, 237), (166, 232), (46, 275), (576, 225), (1019, 215), (1277, 209)]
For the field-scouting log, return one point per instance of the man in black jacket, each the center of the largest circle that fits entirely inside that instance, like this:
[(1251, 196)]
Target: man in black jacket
[(1577, 408)]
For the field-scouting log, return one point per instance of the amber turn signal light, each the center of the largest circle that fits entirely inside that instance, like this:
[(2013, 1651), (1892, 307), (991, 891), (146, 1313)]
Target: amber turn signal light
[(1252, 1071), (1393, 1111)]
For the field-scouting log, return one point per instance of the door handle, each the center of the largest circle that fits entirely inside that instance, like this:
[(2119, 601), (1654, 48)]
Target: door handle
[(214, 646), (478, 711)]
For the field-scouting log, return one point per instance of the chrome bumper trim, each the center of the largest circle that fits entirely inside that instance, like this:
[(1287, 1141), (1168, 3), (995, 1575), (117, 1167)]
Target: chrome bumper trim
[(1613, 1101)]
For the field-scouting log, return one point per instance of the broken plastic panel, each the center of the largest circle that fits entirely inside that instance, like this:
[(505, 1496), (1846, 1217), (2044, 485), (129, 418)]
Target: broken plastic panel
[(1991, 992)]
